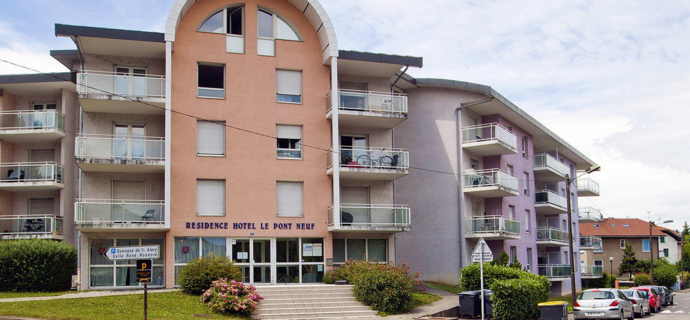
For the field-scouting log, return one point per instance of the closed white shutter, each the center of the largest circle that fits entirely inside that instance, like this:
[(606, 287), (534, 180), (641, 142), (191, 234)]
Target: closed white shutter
[(210, 138), (129, 190), (289, 199), (289, 82), (210, 197), (289, 132), (41, 206)]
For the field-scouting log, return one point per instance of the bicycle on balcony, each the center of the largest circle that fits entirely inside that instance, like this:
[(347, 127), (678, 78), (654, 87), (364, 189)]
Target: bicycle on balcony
[(378, 160)]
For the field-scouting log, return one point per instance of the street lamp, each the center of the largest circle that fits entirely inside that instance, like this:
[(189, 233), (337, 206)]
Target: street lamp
[(611, 258), (651, 246), (568, 182)]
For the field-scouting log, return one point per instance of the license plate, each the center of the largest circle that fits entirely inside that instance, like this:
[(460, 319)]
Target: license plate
[(595, 314)]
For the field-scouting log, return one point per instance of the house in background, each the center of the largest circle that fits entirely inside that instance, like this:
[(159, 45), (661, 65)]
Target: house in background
[(670, 246)]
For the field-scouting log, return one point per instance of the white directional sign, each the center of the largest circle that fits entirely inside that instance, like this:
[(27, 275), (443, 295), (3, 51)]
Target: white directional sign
[(133, 253), (482, 249)]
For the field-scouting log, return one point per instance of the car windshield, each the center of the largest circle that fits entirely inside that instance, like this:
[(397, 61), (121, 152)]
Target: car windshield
[(596, 295), (643, 294), (629, 293)]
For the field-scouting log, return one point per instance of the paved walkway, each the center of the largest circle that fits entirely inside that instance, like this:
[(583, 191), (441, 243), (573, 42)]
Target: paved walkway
[(85, 294)]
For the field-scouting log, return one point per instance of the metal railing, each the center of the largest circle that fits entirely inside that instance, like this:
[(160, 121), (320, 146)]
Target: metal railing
[(373, 158), (552, 234), (587, 184), (130, 86), (589, 213), (550, 197), (96, 211), (591, 242), (545, 160), (30, 225), (355, 100), (491, 178), (100, 146), (30, 172), (489, 132), (554, 271), (32, 119), (492, 224), (592, 271), (370, 215)]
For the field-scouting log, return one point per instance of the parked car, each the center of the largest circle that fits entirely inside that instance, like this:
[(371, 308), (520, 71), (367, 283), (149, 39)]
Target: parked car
[(640, 301), (603, 304), (654, 299), (662, 294), (669, 295)]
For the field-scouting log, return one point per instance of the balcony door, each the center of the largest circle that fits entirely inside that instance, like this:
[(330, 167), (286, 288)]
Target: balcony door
[(129, 141), (130, 81), (43, 171), (354, 96), (356, 202), (128, 197), (347, 144)]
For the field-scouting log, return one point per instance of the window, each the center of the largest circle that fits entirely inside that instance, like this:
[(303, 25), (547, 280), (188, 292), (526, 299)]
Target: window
[(596, 225), (528, 220), (524, 147), (525, 184), (511, 210), (43, 106), (360, 249), (289, 86), (566, 258), (666, 252), (129, 143), (210, 197), (191, 248), (289, 139), (612, 224), (662, 239), (511, 170), (214, 23), (211, 81), (210, 138), (227, 21), (627, 226), (646, 245), (104, 273), (529, 259), (622, 244), (271, 27), (598, 263), (513, 254), (289, 199)]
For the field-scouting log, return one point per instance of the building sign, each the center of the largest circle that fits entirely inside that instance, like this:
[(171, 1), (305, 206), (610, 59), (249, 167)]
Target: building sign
[(144, 270), (249, 226), (133, 253)]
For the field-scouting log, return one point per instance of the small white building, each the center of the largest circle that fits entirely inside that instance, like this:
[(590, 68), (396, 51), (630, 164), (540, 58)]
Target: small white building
[(670, 246)]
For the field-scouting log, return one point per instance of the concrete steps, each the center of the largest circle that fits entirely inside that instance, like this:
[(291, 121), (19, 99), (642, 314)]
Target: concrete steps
[(309, 302)]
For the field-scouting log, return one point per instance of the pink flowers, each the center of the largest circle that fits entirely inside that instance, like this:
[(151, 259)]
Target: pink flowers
[(232, 297)]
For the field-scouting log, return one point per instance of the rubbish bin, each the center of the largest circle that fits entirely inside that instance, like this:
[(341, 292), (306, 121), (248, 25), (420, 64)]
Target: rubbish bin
[(554, 310), (488, 304), (471, 303)]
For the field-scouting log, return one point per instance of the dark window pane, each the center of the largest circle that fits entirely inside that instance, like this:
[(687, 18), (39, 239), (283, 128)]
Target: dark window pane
[(235, 21), (211, 77)]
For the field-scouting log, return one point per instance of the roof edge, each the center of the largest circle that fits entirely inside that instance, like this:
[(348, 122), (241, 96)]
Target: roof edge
[(66, 30), (38, 77), (381, 58)]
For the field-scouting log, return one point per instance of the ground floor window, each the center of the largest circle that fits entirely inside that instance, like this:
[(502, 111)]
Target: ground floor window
[(123, 273), (271, 260), (359, 249)]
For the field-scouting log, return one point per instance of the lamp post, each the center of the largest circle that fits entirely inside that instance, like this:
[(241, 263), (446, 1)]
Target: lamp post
[(651, 246), (611, 258), (568, 182)]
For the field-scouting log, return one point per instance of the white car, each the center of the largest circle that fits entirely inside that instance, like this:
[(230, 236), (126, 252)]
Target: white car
[(603, 304), (640, 301)]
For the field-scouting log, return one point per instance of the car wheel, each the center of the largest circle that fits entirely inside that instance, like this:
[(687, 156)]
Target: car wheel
[(622, 315), (632, 313)]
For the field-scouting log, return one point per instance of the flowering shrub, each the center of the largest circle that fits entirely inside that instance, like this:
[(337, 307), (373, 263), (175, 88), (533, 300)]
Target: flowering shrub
[(233, 297)]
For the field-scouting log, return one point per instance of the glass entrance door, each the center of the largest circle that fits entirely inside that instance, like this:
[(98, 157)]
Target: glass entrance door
[(261, 263)]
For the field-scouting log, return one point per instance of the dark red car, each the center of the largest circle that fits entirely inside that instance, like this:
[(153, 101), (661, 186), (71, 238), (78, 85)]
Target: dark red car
[(654, 299)]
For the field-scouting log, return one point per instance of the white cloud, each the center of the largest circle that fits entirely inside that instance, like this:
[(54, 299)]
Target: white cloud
[(17, 48)]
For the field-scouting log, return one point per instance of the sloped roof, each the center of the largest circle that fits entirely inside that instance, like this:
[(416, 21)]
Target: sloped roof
[(623, 228), (672, 233)]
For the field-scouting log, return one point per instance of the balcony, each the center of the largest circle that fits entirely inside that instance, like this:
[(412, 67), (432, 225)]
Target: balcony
[(552, 237), (106, 153), (34, 226), (549, 202), (369, 109), (31, 176), (489, 140), (549, 169), (592, 272), (492, 228), (589, 214), (587, 187), (591, 243), (490, 183), (370, 217), (119, 215), (554, 272), (372, 164), (111, 92), (32, 126)]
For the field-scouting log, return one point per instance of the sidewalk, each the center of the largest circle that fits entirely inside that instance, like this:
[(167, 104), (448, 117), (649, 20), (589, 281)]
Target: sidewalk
[(85, 294)]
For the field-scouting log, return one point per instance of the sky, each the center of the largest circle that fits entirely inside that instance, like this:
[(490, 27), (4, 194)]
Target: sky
[(610, 77)]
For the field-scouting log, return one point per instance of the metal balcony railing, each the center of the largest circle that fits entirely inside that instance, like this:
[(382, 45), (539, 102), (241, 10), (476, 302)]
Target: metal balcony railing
[(96, 146), (554, 271), (491, 178), (591, 243), (492, 224), (354, 100), (550, 197), (31, 119), (545, 160), (30, 225), (129, 86), (592, 271), (589, 213), (552, 234), (95, 211), (370, 215), (490, 132), (31, 172), (373, 158), (587, 184)]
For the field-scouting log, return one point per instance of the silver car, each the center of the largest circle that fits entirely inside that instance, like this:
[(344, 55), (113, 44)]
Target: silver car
[(603, 304), (640, 301)]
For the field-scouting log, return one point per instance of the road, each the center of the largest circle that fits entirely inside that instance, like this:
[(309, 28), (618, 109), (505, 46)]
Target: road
[(679, 310)]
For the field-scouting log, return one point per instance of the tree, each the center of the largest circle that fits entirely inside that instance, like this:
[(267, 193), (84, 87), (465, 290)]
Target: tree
[(629, 262), (502, 259), (686, 231)]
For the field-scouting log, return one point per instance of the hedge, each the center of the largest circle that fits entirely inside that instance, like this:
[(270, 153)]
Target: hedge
[(199, 274), (642, 279), (36, 265)]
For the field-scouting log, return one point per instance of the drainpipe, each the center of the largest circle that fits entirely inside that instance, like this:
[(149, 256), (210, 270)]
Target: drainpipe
[(398, 78), (461, 200)]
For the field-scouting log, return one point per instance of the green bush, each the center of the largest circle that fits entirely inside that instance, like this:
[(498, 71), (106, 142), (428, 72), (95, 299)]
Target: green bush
[(518, 298), (642, 279), (470, 276), (198, 274), (36, 265), (328, 277), (606, 281), (665, 275), (384, 289), (351, 269), (232, 297)]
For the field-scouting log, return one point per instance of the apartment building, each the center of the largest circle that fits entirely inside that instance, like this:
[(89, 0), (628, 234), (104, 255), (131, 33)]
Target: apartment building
[(244, 131)]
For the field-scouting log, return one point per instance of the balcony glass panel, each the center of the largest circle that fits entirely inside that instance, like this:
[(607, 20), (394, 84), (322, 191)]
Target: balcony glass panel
[(371, 215), (30, 172), (545, 160), (592, 271), (552, 234), (586, 184), (589, 213), (134, 85), (30, 225), (590, 242), (354, 100), (492, 224), (554, 271), (490, 178), (30, 119), (550, 197), (490, 132), (119, 211), (373, 158), (120, 147)]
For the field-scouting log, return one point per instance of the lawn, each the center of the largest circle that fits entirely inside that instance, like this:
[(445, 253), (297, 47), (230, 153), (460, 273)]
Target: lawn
[(566, 299), (419, 298), (164, 305), (444, 287), (9, 295)]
